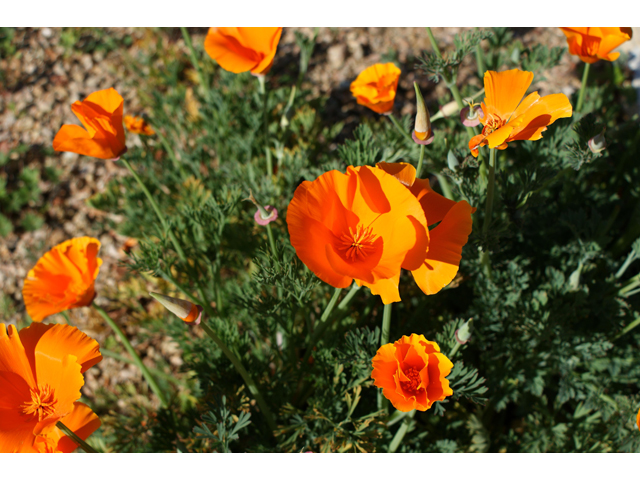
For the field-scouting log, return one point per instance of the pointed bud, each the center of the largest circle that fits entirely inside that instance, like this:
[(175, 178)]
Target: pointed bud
[(452, 161), (422, 133), (264, 215), (463, 334), (188, 312), (598, 143), (470, 115)]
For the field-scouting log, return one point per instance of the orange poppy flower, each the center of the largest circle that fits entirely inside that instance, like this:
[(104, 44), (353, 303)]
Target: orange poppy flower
[(363, 226), (411, 373), (638, 419), (138, 125), (376, 87), (63, 278), (506, 116), (101, 115), (40, 379), (243, 49), (595, 43), (444, 248)]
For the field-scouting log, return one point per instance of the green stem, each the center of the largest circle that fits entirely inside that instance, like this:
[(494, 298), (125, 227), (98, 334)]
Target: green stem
[(583, 87), (454, 350), (488, 209), (630, 258), (265, 120), (155, 371), (248, 380), (404, 427), (627, 329), (444, 185), (434, 44), (394, 120), (480, 59), (272, 243), (66, 317), (194, 59), (81, 443), (384, 339), (156, 208), (134, 355), (324, 320), (347, 298), (629, 285), (420, 160)]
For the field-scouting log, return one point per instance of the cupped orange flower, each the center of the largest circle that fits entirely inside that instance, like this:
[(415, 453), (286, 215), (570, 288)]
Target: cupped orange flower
[(101, 115), (506, 116), (41, 373), (444, 249), (411, 373), (243, 49), (363, 225), (63, 278), (376, 87), (138, 125), (595, 43), (638, 419)]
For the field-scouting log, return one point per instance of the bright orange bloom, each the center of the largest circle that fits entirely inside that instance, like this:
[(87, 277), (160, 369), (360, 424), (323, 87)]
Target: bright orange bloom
[(40, 379), (444, 248), (376, 87), (363, 225), (506, 116), (411, 373), (101, 115), (595, 43), (243, 49), (63, 278), (138, 125), (638, 419)]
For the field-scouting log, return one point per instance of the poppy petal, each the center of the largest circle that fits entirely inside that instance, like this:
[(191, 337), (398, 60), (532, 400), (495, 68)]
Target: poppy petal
[(544, 112), (504, 90)]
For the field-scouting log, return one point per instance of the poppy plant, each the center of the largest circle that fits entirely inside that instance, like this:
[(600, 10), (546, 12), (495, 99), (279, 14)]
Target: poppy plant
[(411, 373), (62, 278), (243, 49), (41, 373), (595, 43), (507, 116), (138, 125), (363, 225), (376, 87), (103, 132), (444, 248)]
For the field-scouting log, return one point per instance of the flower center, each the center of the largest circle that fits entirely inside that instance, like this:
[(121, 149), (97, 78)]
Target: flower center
[(356, 245), (42, 402), (493, 123), (411, 386)]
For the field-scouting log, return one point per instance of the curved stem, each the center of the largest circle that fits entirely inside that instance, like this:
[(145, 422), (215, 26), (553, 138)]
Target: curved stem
[(488, 208), (395, 121), (583, 86), (248, 380), (81, 443), (399, 436), (134, 356), (420, 160)]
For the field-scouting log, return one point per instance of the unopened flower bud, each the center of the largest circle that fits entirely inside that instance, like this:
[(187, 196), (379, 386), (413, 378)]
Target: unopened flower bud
[(188, 312), (470, 115), (452, 161), (463, 334), (422, 133), (264, 215), (598, 143)]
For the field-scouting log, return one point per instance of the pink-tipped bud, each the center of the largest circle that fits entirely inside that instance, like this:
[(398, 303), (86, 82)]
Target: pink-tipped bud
[(187, 312), (422, 133), (470, 115), (598, 143), (463, 334), (264, 215)]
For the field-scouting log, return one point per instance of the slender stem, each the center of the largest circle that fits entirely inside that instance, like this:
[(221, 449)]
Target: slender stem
[(420, 160), (81, 443), (134, 355), (194, 59), (384, 339), (347, 298), (248, 380), (265, 120), (394, 120), (629, 284), (404, 427), (156, 208), (66, 317), (434, 44), (272, 243), (583, 86), (630, 258), (444, 185), (627, 329), (480, 59), (155, 371), (488, 208), (632, 292), (454, 350)]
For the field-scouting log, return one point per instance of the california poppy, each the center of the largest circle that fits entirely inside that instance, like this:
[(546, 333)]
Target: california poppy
[(444, 248), (411, 373), (506, 116), (362, 225), (101, 115), (41, 373), (186, 311), (376, 87), (62, 278), (595, 43), (243, 49), (138, 125)]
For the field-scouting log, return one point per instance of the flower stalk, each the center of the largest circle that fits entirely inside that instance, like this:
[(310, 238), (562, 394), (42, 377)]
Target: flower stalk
[(196, 64), (265, 120), (583, 87), (81, 443), (404, 428), (395, 121), (384, 339), (488, 209)]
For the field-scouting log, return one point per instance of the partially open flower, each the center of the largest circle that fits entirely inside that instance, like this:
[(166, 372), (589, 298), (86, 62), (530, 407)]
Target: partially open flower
[(598, 143), (469, 115), (243, 49), (422, 133), (376, 87), (411, 373), (138, 125), (187, 312), (103, 133), (41, 373), (595, 43), (264, 215), (62, 278)]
